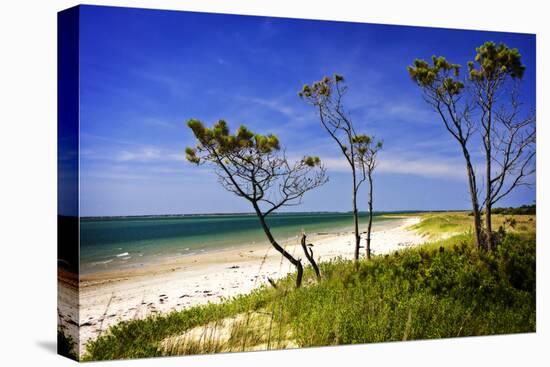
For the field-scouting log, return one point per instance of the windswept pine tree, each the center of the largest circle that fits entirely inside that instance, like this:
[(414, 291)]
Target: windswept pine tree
[(486, 100), (443, 89), (507, 131), (254, 167), (327, 96)]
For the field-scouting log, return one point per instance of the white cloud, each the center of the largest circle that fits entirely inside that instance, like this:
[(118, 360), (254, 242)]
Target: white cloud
[(272, 104), (157, 122), (424, 167), (401, 111), (176, 85), (149, 154)]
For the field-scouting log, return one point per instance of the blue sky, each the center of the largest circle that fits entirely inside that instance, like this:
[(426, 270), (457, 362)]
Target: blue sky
[(144, 73)]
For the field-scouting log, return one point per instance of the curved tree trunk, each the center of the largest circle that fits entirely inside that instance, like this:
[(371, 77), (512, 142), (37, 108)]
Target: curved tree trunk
[(369, 228), (309, 255), (296, 262)]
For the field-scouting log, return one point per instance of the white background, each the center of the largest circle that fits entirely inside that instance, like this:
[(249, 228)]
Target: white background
[(28, 181)]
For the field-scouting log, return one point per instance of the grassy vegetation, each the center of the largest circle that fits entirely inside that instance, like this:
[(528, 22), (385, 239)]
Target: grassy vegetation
[(66, 345), (437, 225), (442, 289), (522, 210), (433, 225)]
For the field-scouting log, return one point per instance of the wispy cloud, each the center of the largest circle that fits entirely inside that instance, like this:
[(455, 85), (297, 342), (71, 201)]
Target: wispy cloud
[(158, 122), (107, 139), (423, 167), (395, 111), (172, 82), (276, 105), (167, 171), (149, 154)]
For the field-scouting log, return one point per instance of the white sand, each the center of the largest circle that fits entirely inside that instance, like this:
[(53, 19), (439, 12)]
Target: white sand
[(108, 298)]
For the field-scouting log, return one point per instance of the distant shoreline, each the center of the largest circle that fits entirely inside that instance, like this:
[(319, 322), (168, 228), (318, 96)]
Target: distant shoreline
[(361, 213)]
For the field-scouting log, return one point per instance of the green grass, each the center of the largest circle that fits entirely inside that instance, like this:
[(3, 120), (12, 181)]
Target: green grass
[(434, 225), (442, 289)]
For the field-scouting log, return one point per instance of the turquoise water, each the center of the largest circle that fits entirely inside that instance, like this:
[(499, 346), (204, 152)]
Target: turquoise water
[(111, 243)]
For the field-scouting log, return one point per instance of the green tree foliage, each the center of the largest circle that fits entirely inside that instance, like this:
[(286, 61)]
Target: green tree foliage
[(442, 77), (494, 62), (485, 101), (522, 210), (254, 167), (443, 89), (508, 133), (327, 97)]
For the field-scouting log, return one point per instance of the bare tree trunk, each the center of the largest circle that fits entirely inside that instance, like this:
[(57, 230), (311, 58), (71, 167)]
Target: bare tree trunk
[(488, 197), (309, 255), (369, 228), (296, 262), (473, 195), (355, 219), (488, 174), (272, 282), (356, 227), (299, 274)]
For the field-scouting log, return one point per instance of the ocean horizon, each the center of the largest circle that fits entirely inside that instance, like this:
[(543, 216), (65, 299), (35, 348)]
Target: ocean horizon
[(123, 242), (168, 215)]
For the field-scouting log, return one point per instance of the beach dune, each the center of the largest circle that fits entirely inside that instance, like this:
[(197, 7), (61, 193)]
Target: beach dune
[(108, 298)]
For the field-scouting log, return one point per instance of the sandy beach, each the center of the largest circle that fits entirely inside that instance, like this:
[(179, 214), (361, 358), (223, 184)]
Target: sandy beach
[(110, 297)]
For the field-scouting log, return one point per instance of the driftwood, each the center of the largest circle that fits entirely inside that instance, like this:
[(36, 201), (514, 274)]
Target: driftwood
[(309, 255), (272, 282)]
